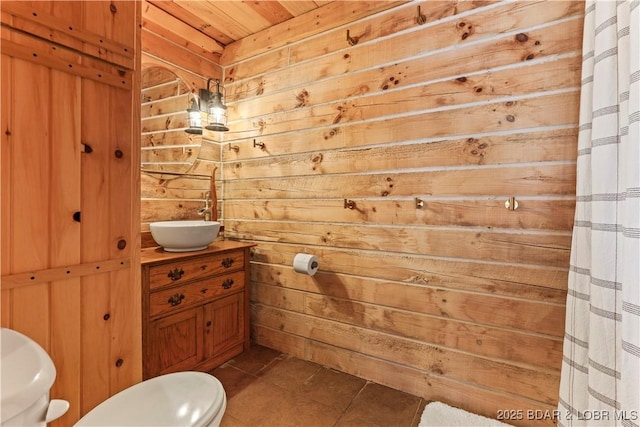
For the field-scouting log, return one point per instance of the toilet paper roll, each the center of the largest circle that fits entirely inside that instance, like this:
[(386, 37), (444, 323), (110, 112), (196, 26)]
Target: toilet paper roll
[(305, 264)]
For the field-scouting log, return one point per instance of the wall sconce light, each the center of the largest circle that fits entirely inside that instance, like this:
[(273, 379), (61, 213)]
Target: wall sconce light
[(216, 110), (195, 117), (212, 104)]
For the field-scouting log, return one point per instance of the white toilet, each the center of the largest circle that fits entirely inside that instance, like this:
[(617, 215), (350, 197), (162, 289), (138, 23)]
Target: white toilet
[(180, 399), (193, 399)]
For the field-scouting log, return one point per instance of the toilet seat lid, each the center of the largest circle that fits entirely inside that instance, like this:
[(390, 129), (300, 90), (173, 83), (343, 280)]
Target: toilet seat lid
[(26, 370), (178, 399)]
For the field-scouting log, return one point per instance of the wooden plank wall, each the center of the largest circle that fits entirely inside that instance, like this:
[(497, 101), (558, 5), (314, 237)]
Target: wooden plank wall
[(391, 160), (70, 178), (179, 196), (165, 147)]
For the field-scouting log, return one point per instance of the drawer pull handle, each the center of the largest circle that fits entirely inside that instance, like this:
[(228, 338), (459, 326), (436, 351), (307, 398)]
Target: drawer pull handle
[(175, 274), (227, 283), (175, 299), (227, 262), (203, 290)]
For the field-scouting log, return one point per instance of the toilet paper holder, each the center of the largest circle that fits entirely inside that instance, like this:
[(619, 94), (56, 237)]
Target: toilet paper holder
[(305, 264)]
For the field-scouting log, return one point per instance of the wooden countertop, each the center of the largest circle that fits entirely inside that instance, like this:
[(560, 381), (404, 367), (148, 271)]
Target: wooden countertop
[(157, 254)]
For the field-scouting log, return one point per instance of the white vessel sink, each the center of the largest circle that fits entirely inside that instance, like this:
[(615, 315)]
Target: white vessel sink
[(184, 236)]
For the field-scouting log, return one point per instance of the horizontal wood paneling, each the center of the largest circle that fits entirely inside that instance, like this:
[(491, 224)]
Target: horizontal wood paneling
[(526, 248), (525, 281), (509, 115), (334, 14), (441, 388), (398, 19), (328, 111), (452, 182), (534, 214), (532, 383), (470, 56), (457, 299), (449, 24), (437, 315), (175, 195), (543, 146)]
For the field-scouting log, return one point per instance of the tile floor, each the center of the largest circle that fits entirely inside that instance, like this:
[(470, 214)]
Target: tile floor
[(266, 388)]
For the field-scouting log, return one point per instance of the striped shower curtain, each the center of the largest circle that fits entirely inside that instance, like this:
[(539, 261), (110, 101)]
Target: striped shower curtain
[(600, 381)]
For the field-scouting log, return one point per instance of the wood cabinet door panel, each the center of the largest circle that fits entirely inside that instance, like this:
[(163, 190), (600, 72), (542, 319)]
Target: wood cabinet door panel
[(176, 342), (223, 324)]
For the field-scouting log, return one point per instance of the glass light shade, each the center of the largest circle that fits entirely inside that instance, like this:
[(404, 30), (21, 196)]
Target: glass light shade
[(217, 119), (195, 118)]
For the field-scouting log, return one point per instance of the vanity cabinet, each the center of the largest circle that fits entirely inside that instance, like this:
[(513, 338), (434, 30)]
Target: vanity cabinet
[(195, 307)]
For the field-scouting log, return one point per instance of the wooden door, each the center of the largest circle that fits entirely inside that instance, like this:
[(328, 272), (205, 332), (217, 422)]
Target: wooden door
[(175, 343), (70, 190)]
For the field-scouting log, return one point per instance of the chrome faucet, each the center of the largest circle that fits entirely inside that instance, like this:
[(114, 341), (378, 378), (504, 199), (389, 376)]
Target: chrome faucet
[(206, 211)]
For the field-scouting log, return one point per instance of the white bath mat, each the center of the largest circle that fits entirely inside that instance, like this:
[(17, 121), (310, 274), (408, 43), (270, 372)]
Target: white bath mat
[(438, 414)]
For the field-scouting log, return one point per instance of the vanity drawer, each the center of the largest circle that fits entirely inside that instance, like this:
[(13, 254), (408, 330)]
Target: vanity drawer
[(183, 271), (169, 300)]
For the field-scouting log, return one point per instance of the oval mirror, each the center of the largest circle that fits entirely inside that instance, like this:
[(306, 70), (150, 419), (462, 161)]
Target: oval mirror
[(166, 147)]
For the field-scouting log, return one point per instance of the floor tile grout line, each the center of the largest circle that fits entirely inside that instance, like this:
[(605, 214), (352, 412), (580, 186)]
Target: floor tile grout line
[(256, 367), (227, 365), (418, 414), (353, 398), (279, 357)]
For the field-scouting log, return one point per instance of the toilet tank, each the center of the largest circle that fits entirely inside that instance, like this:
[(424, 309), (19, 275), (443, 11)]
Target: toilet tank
[(26, 375)]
